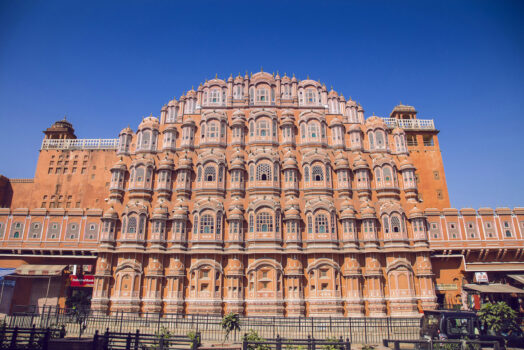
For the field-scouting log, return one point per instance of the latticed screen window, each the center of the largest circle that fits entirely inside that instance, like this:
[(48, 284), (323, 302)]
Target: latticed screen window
[(131, 226), (262, 128), (263, 172), (380, 139), (310, 96), (395, 224), (306, 174), (264, 222), (309, 224), (321, 223), (215, 96), (209, 174), (313, 130), (212, 130), (219, 223), (387, 174), (333, 222), (262, 95), (277, 221), (251, 223), (317, 173), (206, 224)]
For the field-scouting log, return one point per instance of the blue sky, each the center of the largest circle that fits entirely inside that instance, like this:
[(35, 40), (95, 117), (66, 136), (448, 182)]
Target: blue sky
[(106, 64)]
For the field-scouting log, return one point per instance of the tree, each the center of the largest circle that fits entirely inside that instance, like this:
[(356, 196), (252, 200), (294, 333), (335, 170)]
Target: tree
[(498, 317), (230, 322)]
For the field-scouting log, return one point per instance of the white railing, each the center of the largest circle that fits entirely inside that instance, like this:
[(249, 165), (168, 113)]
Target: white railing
[(426, 124), (80, 144)]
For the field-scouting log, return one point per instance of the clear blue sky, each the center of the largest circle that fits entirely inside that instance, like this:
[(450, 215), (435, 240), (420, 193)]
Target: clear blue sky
[(106, 64)]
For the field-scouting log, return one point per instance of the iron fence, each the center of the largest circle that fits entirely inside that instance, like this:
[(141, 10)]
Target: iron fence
[(359, 330)]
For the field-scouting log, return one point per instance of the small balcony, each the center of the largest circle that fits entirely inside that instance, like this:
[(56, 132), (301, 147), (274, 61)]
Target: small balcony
[(410, 124)]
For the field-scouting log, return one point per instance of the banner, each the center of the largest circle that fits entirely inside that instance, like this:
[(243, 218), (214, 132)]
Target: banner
[(82, 281)]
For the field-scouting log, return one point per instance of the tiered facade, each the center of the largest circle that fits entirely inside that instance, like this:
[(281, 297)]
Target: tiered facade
[(264, 196), (260, 195)]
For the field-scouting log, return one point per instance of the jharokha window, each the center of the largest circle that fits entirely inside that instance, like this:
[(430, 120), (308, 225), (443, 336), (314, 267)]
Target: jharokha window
[(264, 222)]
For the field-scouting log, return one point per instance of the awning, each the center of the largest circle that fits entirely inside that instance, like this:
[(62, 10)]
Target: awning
[(494, 288), (40, 270), (5, 272), (518, 278), (481, 267)]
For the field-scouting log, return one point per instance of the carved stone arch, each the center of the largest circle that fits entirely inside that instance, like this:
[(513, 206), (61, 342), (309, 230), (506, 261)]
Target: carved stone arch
[(401, 263), (206, 262), (260, 113), (212, 204), (264, 262), (390, 207), (316, 156), (213, 115), (306, 116), (129, 264), (322, 262), (259, 203), (314, 205)]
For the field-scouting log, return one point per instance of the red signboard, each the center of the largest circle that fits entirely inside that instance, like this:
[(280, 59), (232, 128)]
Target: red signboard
[(82, 281)]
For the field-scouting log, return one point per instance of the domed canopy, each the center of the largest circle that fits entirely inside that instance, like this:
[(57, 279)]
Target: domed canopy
[(335, 122), (149, 122), (360, 163), (416, 213)]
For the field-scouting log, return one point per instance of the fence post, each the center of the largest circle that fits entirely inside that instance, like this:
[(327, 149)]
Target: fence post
[(279, 342), (274, 327), (348, 344), (365, 330), (137, 338), (121, 320), (161, 343), (32, 335), (106, 340), (313, 343), (397, 345), (13, 338), (388, 324), (128, 341), (95, 340), (309, 342), (47, 336), (244, 342), (158, 323)]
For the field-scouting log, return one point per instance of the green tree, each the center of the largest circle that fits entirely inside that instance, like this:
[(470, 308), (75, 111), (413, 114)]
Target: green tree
[(498, 317), (230, 323)]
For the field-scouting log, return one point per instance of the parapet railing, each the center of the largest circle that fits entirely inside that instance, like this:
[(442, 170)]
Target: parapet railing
[(80, 144), (413, 124)]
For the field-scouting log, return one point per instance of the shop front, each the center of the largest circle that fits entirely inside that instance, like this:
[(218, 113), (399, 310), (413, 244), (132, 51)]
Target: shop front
[(80, 287)]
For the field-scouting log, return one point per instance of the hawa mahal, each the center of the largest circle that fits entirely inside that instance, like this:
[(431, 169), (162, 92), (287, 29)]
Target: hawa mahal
[(259, 195)]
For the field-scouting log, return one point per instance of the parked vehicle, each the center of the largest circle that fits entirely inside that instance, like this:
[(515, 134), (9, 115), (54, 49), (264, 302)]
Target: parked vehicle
[(448, 324)]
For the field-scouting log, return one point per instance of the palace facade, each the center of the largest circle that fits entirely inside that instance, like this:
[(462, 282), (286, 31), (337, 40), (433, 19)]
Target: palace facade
[(260, 195)]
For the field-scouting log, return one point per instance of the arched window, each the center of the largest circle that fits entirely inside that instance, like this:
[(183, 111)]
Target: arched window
[(206, 224), (317, 173), (251, 172), (203, 131), (142, 224), (195, 224), (306, 174), (378, 175), (219, 223), (139, 174), (212, 130), (321, 223), (303, 130), (371, 141), (264, 222), (209, 173), (395, 224), (251, 223), (309, 224), (313, 130), (262, 128), (263, 172), (311, 96), (251, 129), (275, 172), (131, 226), (146, 138), (387, 174), (385, 222), (380, 139), (274, 128), (199, 175)]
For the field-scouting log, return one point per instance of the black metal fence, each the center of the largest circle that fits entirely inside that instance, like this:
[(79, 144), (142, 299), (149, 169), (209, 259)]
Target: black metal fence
[(458, 344), (293, 344), (360, 330)]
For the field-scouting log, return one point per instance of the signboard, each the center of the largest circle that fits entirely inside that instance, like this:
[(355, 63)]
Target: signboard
[(481, 277), (82, 280), (446, 286)]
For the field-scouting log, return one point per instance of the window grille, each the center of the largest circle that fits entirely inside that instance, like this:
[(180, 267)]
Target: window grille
[(251, 224), (321, 223), (219, 223), (263, 172), (131, 227), (264, 222), (206, 224), (317, 173), (306, 174), (209, 174), (309, 224)]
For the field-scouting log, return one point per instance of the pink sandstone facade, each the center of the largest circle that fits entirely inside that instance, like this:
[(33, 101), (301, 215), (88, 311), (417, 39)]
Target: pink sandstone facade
[(260, 195)]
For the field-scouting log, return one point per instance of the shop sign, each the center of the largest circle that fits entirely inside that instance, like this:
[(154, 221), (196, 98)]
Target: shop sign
[(446, 286), (82, 280), (481, 277)]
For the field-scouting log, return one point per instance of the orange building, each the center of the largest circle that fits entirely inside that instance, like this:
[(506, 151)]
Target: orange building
[(261, 195)]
